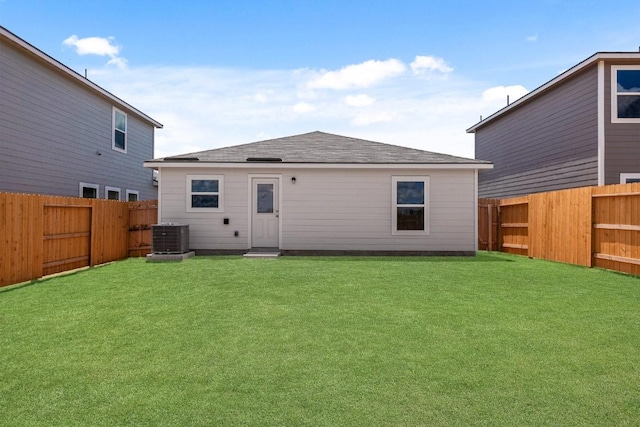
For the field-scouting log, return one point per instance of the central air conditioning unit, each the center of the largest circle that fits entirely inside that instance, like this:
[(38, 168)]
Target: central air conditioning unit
[(170, 238)]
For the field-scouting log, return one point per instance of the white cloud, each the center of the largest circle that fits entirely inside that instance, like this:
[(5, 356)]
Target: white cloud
[(500, 93), (359, 100), (100, 46), (303, 107), (424, 64), (361, 75), (205, 107), (533, 38)]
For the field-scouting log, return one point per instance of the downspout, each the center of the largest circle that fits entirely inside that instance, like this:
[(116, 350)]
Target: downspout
[(601, 123), (475, 209)]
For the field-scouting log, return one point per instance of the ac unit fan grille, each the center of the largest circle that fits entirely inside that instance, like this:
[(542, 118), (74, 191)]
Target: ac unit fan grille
[(170, 238)]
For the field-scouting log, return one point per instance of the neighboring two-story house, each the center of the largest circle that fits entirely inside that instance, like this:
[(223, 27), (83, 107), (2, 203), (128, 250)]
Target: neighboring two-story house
[(61, 134), (581, 128)]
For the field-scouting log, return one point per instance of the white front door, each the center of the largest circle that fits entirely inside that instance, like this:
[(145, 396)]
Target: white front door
[(265, 213)]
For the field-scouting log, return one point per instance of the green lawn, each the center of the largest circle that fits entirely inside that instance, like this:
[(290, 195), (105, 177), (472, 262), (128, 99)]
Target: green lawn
[(491, 340)]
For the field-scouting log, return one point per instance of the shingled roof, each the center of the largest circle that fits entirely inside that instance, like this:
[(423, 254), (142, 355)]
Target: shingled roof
[(320, 147)]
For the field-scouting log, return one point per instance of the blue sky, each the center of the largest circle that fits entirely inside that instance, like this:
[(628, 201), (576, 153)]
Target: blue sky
[(412, 73)]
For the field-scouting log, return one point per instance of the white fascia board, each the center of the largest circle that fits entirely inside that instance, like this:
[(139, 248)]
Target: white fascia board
[(472, 166), (75, 76), (570, 72)]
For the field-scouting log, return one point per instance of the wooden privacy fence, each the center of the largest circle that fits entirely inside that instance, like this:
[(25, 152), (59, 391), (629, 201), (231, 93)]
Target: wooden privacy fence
[(42, 235), (590, 226)]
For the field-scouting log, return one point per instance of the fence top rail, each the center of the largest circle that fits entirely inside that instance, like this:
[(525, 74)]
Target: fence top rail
[(53, 205), (616, 194), (509, 202)]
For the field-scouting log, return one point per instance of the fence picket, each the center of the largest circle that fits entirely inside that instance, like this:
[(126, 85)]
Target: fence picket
[(41, 235), (590, 226)]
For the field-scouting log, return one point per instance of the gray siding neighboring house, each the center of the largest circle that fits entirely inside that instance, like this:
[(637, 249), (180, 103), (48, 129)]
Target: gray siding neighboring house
[(58, 131), (322, 192), (564, 134)]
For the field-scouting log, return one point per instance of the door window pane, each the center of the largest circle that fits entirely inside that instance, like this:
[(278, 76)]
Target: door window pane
[(265, 198)]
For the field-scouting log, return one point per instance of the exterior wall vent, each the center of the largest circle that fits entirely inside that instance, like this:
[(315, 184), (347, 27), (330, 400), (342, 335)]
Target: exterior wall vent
[(170, 238), (264, 159)]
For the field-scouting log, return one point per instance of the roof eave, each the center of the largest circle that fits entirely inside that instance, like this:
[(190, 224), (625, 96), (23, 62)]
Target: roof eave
[(599, 56), (155, 164), (75, 76)]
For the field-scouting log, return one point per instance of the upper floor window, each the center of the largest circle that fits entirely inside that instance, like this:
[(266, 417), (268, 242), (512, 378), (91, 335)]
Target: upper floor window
[(205, 193), (119, 131), (625, 92), (410, 205)]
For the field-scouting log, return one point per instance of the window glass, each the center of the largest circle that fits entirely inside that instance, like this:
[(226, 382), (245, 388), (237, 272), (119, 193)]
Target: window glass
[(132, 197), (410, 218), (410, 192), (119, 139), (204, 185), (629, 106), (89, 193), (265, 198), (628, 80), (204, 201), (113, 195), (121, 121)]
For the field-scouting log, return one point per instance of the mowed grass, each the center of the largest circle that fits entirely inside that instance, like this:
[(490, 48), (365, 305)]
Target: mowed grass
[(491, 340)]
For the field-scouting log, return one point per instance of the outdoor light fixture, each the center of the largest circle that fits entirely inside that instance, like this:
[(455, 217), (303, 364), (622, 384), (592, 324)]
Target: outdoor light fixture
[(293, 179)]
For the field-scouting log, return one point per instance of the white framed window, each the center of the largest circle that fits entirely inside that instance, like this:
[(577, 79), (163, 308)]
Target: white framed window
[(410, 205), (119, 136), (629, 178), (111, 193), (132, 195), (205, 193), (89, 191), (625, 94)]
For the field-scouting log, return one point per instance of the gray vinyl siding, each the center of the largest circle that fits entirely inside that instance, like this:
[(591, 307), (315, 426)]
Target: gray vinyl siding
[(548, 143), (328, 209), (52, 127), (622, 140)]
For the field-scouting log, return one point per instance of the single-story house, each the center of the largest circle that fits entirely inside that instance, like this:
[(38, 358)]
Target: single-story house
[(322, 193)]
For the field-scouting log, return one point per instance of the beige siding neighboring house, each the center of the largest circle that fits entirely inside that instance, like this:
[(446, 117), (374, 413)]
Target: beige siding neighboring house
[(568, 132), (322, 192), (62, 134)]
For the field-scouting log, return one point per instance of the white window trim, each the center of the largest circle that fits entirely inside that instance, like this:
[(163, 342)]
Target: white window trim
[(394, 206), (113, 131), (136, 192), (220, 193), (114, 189), (614, 94), (625, 176), (88, 185)]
